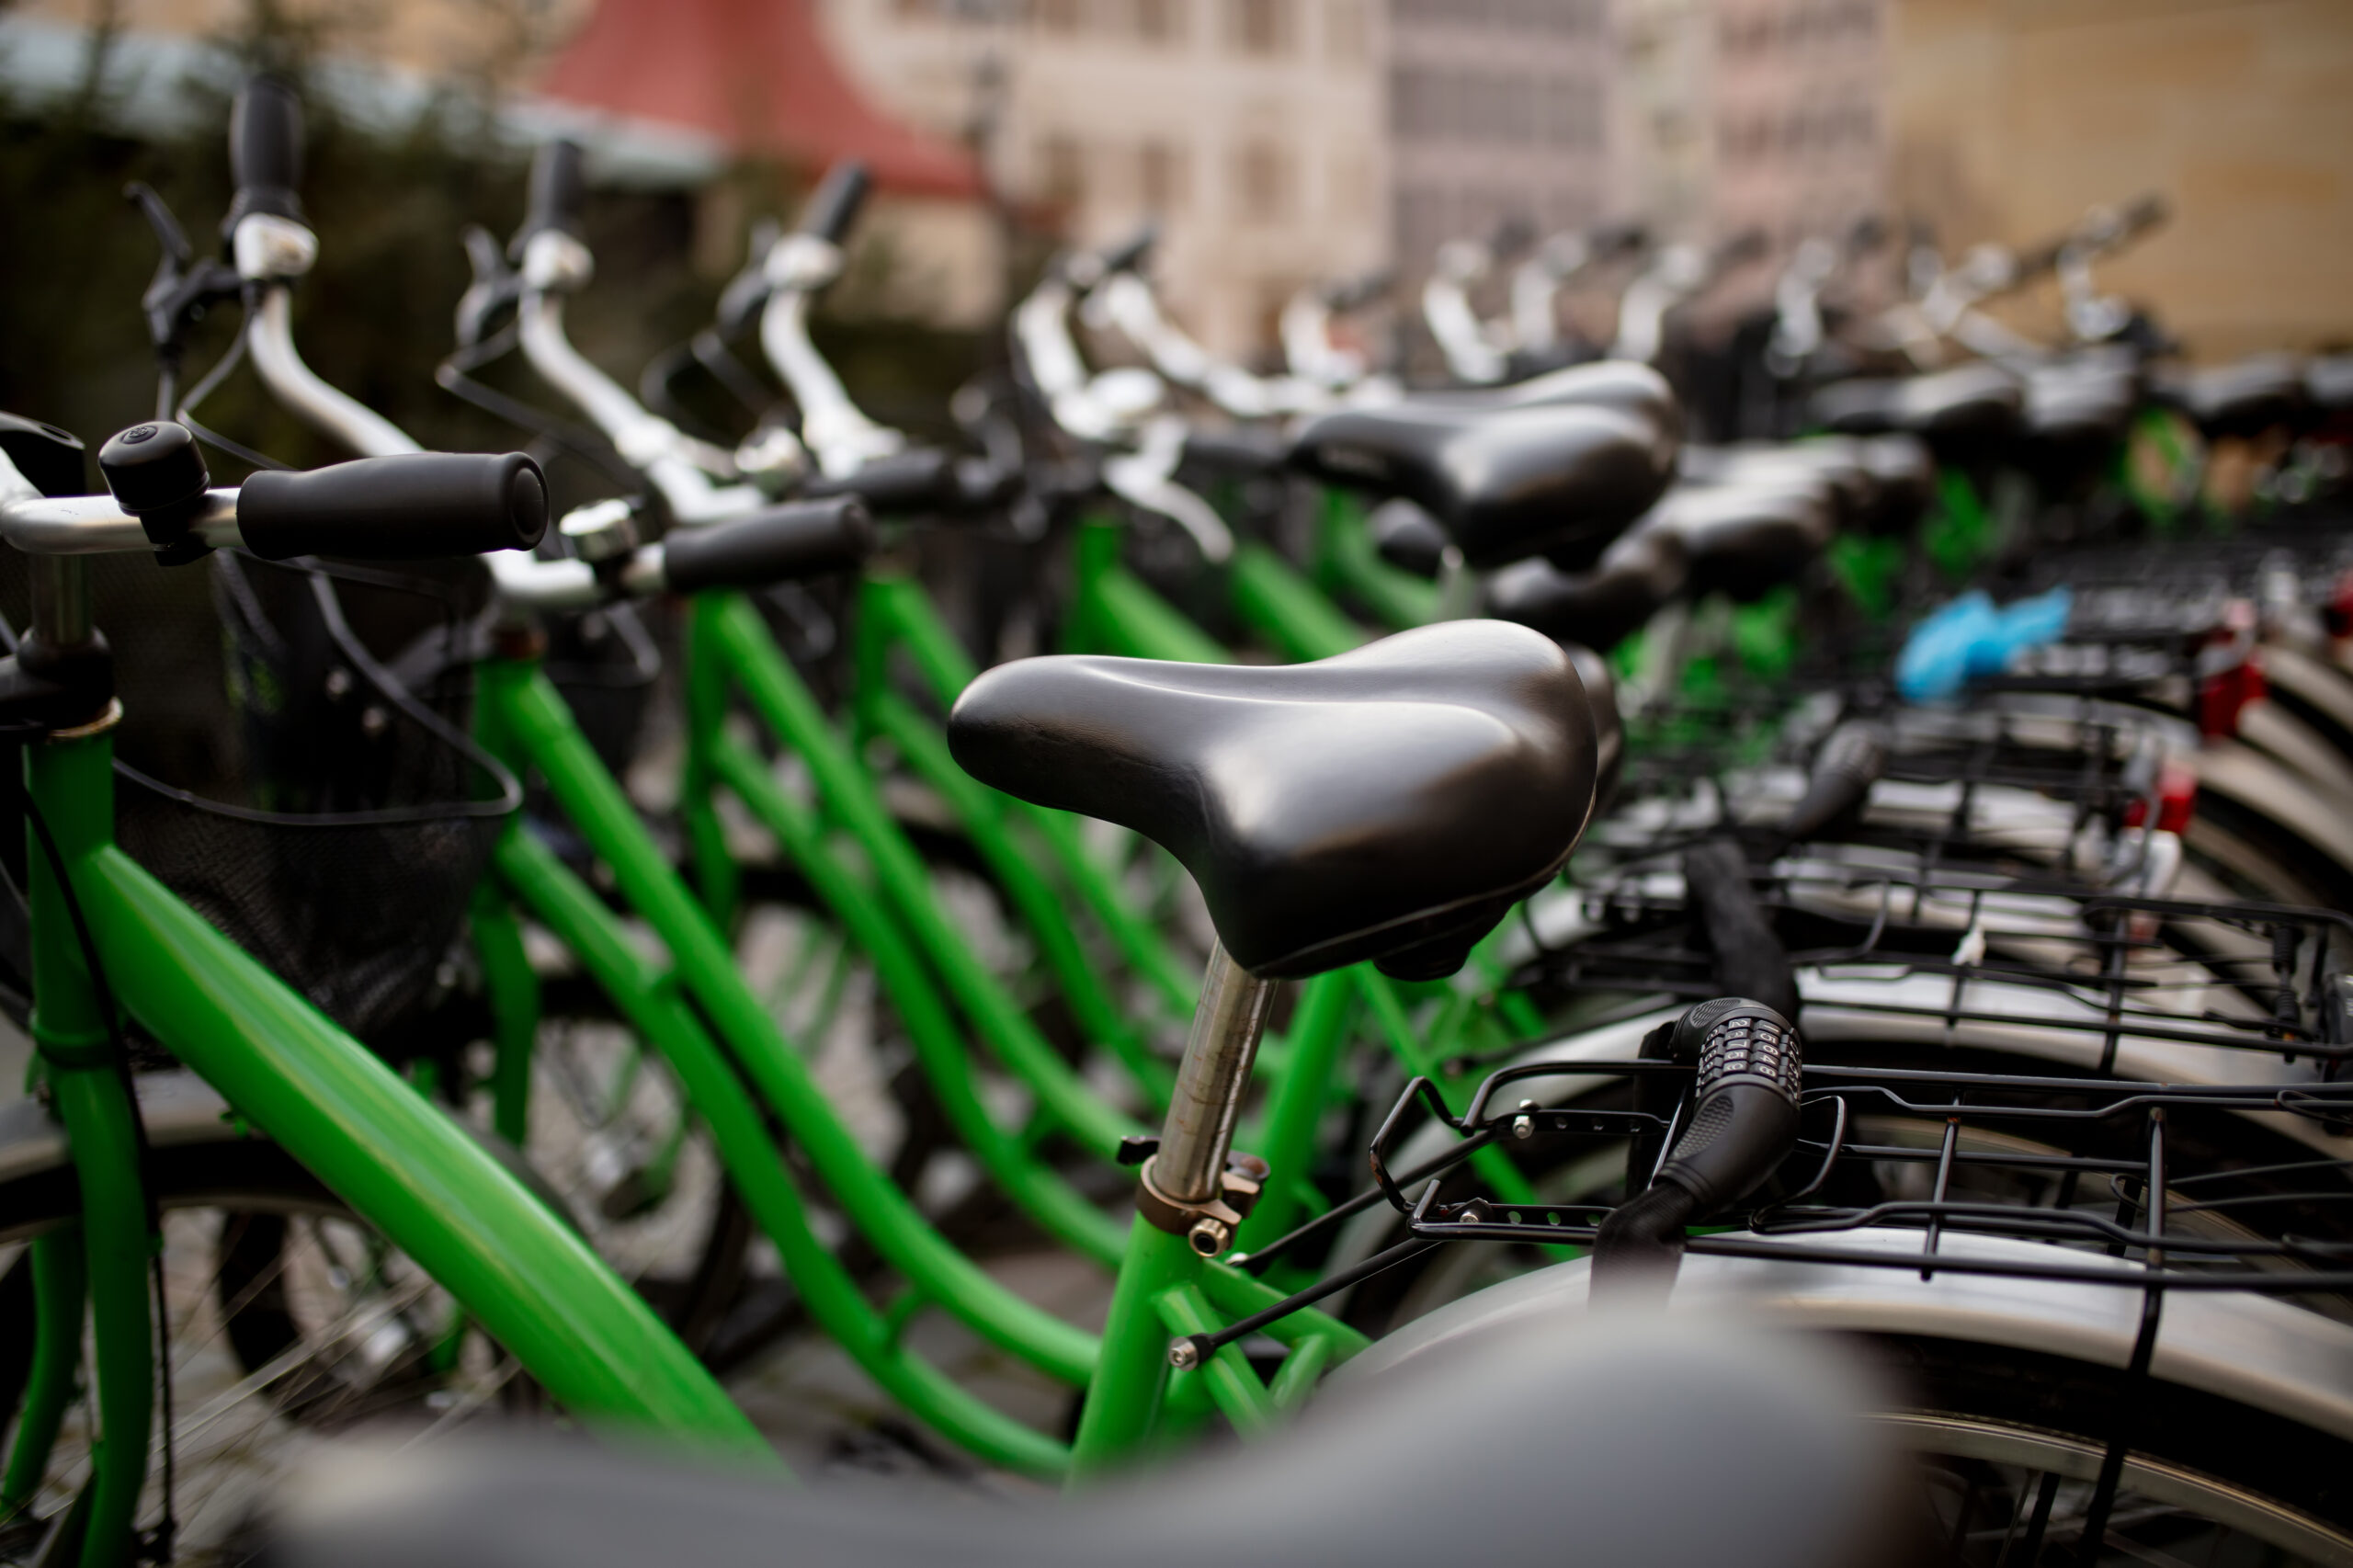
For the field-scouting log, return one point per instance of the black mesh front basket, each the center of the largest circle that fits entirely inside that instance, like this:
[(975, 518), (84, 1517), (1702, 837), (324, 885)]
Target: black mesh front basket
[(606, 663), (293, 761)]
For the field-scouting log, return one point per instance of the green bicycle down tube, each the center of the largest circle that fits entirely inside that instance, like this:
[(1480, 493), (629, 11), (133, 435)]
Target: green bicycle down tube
[(721, 760), (1123, 1403), (647, 995), (895, 612), (60, 1295), (1115, 611), (401, 1166), (1099, 1013), (1289, 612), (525, 721), (71, 781), (1348, 566), (780, 699), (512, 989), (1041, 1193)]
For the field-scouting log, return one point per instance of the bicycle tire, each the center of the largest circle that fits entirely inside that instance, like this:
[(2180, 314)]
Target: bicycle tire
[(202, 1165), (2248, 1471)]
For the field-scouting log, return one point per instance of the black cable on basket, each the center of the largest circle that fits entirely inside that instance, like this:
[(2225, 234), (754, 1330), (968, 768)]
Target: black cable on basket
[(453, 375), (159, 1545), (210, 383)]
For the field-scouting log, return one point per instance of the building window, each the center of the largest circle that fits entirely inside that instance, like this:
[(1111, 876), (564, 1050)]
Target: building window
[(1162, 21), (1062, 171), (1352, 187), (1346, 39), (1161, 176), (1262, 182), (1260, 26), (1061, 15)]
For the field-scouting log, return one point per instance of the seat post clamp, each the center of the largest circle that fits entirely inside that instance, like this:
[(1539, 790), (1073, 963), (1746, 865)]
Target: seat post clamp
[(1209, 1225)]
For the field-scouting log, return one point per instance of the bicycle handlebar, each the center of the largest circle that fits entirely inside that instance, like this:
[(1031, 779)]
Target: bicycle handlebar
[(801, 538), (554, 194), (833, 205), (1129, 253), (420, 506), (410, 508), (264, 151)]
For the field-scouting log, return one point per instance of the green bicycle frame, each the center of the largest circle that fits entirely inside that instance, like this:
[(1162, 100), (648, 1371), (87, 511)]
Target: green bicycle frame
[(735, 1066), (402, 1166), (1114, 611)]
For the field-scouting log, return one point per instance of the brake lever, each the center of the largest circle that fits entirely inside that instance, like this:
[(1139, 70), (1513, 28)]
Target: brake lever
[(183, 288), (746, 294), (495, 291)]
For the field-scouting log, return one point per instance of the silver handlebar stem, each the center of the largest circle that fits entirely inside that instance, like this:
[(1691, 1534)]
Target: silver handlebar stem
[(522, 580), (683, 469), (832, 427), (332, 413)]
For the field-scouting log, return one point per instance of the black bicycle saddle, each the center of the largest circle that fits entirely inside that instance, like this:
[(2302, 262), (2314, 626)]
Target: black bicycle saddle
[(2328, 383), (1505, 481), (1951, 410), (2243, 398), (1628, 1414), (2081, 399), (1389, 804), (1634, 579), (1744, 538), (1627, 385), (1830, 466)]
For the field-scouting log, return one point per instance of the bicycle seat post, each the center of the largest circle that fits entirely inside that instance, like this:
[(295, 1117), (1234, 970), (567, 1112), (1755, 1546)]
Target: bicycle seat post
[(1186, 1185)]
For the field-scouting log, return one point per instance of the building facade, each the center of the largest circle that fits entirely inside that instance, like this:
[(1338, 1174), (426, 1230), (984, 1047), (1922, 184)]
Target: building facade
[(1500, 113), (1250, 130), (1768, 115)]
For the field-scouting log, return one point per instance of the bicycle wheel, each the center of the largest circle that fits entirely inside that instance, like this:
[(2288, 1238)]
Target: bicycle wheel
[(292, 1322), (2009, 1444)]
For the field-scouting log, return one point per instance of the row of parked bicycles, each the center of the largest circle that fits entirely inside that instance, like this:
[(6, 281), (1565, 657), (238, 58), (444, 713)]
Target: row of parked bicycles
[(1780, 996)]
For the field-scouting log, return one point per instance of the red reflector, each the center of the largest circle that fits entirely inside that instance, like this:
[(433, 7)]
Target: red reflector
[(2338, 616), (2223, 696), (2176, 800)]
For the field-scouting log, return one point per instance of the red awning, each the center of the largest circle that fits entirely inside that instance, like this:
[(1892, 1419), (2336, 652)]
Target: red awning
[(756, 74)]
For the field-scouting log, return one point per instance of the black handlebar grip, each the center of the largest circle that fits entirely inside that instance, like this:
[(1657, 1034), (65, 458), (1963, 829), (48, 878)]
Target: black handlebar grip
[(1750, 959), (1129, 254), (1355, 293), (419, 506), (1613, 240), (915, 481), (985, 485), (1749, 245), (2143, 212), (800, 538), (1242, 453), (265, 151), (555, 193), (833, 205), (1850, 761)]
